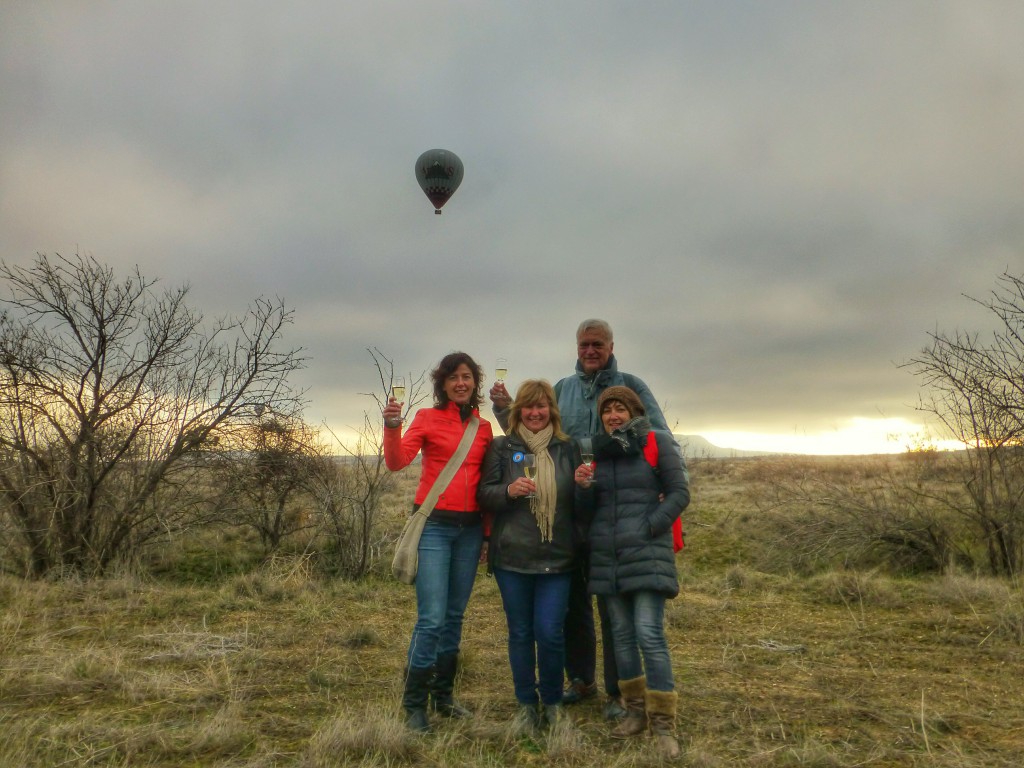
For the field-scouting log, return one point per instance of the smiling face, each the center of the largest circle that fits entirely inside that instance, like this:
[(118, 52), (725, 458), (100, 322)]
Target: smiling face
[(593, 348), (537, 416), (613, 415), (460, 385)]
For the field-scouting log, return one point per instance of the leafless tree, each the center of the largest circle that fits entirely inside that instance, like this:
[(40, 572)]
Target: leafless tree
[(110, 393), (261, 472), (884, 518), (975, 389), (416, 392), (350, 489)]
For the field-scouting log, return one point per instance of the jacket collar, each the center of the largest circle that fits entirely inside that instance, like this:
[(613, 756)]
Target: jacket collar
[(611, 368), (462, 411), (592, 381)]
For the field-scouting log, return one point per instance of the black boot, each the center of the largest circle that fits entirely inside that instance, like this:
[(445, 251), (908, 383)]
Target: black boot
[(414, 699), (442, 699)]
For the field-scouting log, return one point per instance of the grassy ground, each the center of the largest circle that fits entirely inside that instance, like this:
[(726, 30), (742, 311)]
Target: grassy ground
[(279, 668)]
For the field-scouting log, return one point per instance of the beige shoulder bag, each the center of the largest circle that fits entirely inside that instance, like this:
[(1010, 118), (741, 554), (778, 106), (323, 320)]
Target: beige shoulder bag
[(407, 552)]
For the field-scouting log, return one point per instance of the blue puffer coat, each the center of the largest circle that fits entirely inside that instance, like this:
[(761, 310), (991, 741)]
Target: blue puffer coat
[(630, 533)]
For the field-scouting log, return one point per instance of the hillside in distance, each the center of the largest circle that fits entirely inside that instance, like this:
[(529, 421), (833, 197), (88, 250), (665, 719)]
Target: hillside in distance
[(695, 446)]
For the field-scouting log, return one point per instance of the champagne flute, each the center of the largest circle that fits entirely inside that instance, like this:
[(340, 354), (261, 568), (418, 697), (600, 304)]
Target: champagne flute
[(398, 391), (501, 369), (530, 470), (587, 453)]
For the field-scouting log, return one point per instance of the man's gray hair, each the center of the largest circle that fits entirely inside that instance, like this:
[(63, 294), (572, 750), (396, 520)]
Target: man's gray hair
[(593, 324)]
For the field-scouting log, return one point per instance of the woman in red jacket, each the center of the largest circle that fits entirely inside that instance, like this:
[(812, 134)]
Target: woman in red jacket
[(449, 548)]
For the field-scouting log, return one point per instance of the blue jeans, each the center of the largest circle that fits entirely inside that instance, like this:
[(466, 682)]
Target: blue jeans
[(535, 606), (448, 559), (638, 627)]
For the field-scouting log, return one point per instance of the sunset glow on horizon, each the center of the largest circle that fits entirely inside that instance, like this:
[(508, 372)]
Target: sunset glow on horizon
[(858, 436)]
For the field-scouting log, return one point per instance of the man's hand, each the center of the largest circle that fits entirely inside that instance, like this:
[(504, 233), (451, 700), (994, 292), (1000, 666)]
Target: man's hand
[(500, 396)]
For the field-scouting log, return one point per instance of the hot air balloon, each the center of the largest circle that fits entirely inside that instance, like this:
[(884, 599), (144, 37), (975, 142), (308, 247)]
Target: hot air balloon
[(439, 173)]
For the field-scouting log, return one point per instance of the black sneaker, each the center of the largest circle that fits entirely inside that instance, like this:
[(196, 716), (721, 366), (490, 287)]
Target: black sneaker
[(577, 691)]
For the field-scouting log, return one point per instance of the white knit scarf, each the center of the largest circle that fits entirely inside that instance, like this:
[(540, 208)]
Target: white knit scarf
[(543, 504)]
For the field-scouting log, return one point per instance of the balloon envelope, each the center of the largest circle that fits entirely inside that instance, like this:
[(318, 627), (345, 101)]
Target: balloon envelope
[(439, 173)]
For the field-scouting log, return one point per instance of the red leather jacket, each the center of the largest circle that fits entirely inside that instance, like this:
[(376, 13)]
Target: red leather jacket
[(435, 432)]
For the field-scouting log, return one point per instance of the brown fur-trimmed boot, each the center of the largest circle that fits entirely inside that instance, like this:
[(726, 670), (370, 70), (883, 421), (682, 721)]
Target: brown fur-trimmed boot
[(661, 710), (635, 720)]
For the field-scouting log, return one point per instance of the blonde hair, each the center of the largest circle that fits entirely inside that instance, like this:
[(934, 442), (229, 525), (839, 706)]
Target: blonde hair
[(531, 392)]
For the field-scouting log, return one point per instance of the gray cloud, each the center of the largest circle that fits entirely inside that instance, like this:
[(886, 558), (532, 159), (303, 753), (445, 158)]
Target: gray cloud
[(772, 203)]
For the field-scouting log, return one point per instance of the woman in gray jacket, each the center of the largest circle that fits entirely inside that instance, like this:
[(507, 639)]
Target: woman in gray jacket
[(533, 544), (631, 506)]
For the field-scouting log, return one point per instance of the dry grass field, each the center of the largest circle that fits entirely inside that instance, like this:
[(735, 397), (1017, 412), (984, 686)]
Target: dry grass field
[(279, 667)]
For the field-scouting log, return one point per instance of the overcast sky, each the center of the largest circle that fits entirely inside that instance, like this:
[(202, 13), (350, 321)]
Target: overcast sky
[(772, 203)]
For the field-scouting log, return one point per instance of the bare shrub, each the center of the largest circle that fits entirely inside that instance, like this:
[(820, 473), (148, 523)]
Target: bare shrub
[(976, 392), (886, 519), (111, 395), (348, 493), (351, 490), (261, 472)]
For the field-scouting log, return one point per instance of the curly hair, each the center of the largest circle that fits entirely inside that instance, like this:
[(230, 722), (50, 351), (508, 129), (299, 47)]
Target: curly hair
[(448, 365)]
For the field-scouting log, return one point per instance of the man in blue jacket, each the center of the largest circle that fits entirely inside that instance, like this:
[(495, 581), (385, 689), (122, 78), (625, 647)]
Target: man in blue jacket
[(596, 370)]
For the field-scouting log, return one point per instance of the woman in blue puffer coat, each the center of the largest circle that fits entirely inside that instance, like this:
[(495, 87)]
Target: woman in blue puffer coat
[(631, 507)]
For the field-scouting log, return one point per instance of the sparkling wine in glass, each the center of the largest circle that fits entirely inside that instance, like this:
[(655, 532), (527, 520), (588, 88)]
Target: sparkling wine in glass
[(587, 454), (530, 470), (501, 369), (398, 392), (587, 451), (398, 389)]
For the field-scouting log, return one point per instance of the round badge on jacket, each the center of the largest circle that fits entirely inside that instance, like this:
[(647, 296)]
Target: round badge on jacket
[(517, 457)]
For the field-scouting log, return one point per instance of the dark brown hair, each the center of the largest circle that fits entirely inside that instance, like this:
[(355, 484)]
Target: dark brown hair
[(448, 365)]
